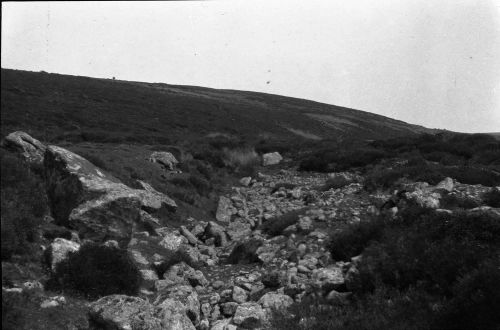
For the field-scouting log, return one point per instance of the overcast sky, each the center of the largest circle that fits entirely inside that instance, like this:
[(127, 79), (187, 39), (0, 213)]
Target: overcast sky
[(427, 62)]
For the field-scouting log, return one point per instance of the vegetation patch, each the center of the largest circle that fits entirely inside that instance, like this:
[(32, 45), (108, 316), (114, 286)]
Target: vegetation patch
[(276, 225), (23, 205), (95, 271)]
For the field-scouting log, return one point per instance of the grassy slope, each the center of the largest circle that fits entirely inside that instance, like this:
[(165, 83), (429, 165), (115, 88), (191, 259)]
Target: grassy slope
[(55, 108)]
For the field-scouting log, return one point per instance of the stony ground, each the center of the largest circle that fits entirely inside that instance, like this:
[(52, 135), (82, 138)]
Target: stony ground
[(267, 248)]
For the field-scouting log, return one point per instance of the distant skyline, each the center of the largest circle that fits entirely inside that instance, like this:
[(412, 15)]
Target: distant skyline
[(431, 63)]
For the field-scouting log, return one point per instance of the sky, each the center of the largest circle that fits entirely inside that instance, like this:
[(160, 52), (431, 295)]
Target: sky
[(426, 62)]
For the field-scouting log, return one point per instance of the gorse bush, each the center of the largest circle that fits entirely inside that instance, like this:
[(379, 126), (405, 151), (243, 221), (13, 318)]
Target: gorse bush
[(97, 271)]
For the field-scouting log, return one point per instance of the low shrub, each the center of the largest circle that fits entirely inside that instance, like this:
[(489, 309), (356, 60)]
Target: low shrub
[(201, 185), (475, 301), (335, 183), (94, 159), (245, 253), (386, 308), (352, 240), (492, 198), (431, 250), (341, 160), (97, 271), (284, 185), (22, 311), (276, 225), (452, 201), (23, 205)]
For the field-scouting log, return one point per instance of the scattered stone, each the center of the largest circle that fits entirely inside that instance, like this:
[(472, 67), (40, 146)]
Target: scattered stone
[(239, 295), (249, 315), (246, 181), (164, 158), (446, 184), (224, 211), (275, 301), (272, 158)]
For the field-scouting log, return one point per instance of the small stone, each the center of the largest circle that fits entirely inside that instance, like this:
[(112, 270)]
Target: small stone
[(239, 295)]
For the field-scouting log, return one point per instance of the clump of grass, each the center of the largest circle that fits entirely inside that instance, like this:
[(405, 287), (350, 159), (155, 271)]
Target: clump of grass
[(241, 160)]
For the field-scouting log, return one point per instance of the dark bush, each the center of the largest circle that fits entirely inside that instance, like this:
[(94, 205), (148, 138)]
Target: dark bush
[(336, 183), (431, 249), (276, 225), (452, 201), (342, 159), (23, 205), (245, 253), (492, 198), (94, 159), (355, 238), (97, 271), (384, 309), (201, 185), (475, 302)]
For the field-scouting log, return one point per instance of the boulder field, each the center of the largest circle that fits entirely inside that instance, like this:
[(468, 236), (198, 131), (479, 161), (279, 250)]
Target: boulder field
[(239, 268)]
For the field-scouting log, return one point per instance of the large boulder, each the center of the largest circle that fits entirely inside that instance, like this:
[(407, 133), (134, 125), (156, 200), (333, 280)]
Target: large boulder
[(271, 158), (31, 149), (164, 158), (94, 202)]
